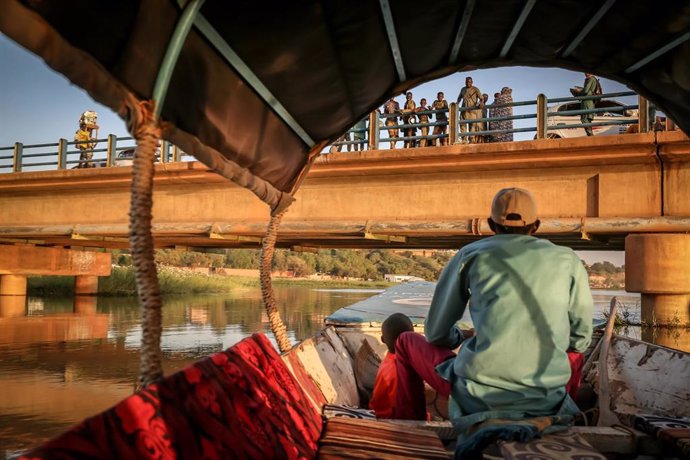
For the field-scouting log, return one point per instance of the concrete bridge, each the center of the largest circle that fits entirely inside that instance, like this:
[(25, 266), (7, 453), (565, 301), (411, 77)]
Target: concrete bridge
[(592, 193)]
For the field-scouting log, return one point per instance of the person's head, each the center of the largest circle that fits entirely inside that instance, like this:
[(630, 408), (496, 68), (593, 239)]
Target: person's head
[(497, 95), (514, 210), (392, 327), (587, 74), (506, 90), (422, 102), (88, 120), (440, 96), (485, 97), (468, 82), (408, 95)]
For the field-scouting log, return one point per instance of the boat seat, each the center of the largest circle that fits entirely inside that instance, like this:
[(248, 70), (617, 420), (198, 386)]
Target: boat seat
[(372, 439), (556, 446)]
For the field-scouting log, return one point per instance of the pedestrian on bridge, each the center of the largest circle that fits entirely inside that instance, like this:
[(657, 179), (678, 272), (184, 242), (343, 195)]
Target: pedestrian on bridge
[(409, 119), (470, 99), (85, 137), (423, 119), (591, 87), (391, 111), (441, 129)]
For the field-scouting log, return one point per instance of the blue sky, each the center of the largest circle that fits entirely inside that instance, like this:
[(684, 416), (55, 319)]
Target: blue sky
[(38, 105)]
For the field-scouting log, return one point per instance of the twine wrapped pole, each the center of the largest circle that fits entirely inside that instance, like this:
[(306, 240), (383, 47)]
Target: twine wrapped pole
[(267, 248), (146, 131)]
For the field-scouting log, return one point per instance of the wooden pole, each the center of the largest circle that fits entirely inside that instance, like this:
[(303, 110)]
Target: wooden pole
[(541, 117)]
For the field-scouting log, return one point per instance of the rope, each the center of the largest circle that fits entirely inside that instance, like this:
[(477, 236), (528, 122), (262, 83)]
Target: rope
[(267, 248), (143, 126)]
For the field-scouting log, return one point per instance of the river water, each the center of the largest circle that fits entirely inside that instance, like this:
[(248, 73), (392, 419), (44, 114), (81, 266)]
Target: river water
[(62, 361)]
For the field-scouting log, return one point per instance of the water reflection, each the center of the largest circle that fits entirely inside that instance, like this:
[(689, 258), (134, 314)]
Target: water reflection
[(62, 360)]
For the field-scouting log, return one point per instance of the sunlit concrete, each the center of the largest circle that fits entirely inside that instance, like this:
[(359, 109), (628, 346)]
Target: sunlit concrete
[(657, 265), (426, 193), (13, 285)]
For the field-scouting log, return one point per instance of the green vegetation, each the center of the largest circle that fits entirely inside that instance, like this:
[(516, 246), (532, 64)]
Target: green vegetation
[(342, 263), (347, 268), (177, 281), (122, 283)]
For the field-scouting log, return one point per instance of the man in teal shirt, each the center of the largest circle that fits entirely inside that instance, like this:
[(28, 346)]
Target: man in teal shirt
[(530, 304)]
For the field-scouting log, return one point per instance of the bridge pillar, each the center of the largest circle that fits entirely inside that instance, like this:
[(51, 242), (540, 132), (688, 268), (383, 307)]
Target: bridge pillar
[(85, 285), (658, 267), (12, 285), (12, 306)]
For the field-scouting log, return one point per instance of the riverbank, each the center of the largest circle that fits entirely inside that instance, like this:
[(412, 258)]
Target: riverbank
[(177, 281)]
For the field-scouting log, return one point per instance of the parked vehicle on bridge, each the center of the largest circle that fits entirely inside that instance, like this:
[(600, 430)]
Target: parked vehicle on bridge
[(126, 157), (557, 124)]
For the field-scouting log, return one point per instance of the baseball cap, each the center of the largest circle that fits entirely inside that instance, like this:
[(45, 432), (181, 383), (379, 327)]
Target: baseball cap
[(514, 207)]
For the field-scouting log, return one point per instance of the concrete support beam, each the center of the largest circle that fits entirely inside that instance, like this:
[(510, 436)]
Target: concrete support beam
[(36, 260), (12, 285), (85, 285), (656, 265)]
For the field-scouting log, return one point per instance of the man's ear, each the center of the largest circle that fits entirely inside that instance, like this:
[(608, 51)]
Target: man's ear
[(536, 226)]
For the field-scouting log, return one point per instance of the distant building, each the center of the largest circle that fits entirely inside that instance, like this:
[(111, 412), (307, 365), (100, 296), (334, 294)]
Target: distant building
[(401, 278)]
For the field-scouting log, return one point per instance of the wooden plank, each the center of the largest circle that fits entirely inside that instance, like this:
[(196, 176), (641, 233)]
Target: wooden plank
[(618, 440), (305, 380), (329, 365), (648, 379), (352, 338)]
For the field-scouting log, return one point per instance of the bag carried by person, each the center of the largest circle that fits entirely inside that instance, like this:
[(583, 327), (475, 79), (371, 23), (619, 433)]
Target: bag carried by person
[(597, 88)]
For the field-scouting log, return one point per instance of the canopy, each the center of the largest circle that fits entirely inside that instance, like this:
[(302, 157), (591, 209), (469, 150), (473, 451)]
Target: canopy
[(261, 86)]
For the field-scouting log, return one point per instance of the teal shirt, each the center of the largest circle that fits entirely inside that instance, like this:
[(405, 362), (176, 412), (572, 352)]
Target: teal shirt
[(530, 302)]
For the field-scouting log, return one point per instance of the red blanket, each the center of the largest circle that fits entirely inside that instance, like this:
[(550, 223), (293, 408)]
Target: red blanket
[(241, 403)]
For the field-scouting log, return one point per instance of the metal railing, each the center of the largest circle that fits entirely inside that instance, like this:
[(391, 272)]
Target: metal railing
[(553, 118), (64, 154), (559, 120)]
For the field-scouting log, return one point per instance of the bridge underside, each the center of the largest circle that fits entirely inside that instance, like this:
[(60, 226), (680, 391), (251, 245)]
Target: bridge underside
[(592, 192), (364, 235)]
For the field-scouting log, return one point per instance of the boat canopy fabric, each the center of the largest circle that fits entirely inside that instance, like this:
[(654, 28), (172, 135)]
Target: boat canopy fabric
[(261, 86)]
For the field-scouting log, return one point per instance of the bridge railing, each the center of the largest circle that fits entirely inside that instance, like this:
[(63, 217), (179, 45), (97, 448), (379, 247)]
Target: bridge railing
[(546, 118), (64, 154)]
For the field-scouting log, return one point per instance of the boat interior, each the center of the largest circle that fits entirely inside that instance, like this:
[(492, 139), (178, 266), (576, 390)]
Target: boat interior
[(255, 90)]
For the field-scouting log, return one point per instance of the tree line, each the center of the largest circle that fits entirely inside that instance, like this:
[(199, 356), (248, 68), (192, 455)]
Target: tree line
[(343, 263)]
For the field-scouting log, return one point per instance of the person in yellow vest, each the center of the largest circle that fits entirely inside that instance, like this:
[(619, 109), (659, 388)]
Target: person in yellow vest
[(86, 135)]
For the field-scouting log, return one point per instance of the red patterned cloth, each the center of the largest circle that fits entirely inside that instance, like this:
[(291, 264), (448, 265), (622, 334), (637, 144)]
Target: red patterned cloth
[(241, 403), (577, 362)]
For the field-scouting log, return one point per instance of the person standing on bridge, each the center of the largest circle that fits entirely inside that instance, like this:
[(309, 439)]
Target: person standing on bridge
[(592, 87), (441, 129), (88, 123), (409, 119), (423, 119), (504, 99), (391, 111), (360, 134), (470, 99), (530, 304)]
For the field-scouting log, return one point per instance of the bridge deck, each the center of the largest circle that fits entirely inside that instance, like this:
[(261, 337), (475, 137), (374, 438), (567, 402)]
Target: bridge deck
[(591, 192)]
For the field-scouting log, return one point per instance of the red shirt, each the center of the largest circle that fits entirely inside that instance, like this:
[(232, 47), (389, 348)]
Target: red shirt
[(383, 398)]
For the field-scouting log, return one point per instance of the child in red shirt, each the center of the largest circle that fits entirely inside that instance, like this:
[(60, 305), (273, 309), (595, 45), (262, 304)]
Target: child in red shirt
[(383, 398)]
